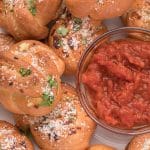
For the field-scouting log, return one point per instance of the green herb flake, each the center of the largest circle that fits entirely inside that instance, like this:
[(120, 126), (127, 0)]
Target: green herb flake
[(52, 82), (47, 99), (32, 7), (62, 30), (60, 43), (25, 72), (77, 23)]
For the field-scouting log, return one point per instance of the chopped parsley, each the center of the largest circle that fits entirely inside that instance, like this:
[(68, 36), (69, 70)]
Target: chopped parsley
[(51, 81), (25, 72), (32, 7), (47, 99), (62, 30), (77, 23)]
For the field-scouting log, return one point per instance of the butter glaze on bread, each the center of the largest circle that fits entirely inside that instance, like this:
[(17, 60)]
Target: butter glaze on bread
[(138, 16), (11, 139), (78, 34), (6, 42), (100, 147), (140, 142), (98, 9), (66, 127), (26, 73), (26, 19)]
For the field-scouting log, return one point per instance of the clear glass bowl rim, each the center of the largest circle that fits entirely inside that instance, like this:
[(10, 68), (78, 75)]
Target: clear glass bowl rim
[(78, 83)]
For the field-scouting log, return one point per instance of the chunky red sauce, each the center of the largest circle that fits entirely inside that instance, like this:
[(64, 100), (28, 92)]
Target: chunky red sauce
[(118, 80)]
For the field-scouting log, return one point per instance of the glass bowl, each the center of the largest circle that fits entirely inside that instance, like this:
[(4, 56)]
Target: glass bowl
[(113, 35)]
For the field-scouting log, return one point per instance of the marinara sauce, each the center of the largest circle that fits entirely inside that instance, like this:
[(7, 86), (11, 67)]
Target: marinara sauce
[(118, 81)]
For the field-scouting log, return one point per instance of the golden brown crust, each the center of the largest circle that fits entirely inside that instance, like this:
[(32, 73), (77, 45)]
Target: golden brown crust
[(22, 121), (98, 9), (28, 19), (70, 36), (27, 93), (68, 126), (140, 142), (79, 128), (6, 42), (79, 8), (100, 147), (10, 138), (1, 6), (138, 16)]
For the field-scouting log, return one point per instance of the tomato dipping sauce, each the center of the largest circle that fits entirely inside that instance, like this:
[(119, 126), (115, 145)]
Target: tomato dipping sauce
[(118, 82)]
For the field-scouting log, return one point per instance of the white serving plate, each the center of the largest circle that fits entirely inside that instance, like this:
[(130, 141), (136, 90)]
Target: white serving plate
[(101, 135)]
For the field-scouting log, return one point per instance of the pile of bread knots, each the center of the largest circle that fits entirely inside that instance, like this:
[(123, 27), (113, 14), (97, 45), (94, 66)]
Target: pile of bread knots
[(31, 70)]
